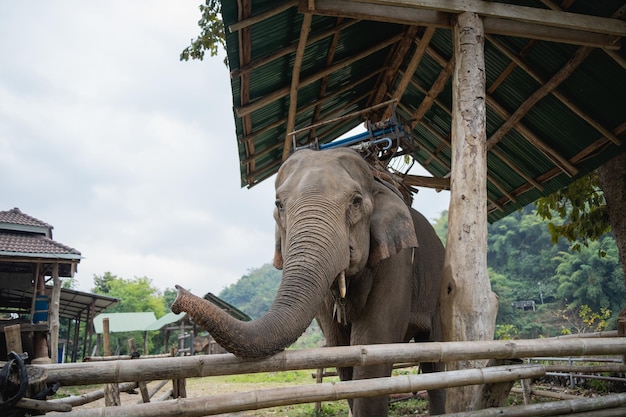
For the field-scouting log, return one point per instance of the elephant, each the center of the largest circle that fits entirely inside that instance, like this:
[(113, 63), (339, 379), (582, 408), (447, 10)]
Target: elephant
[(347, 243)]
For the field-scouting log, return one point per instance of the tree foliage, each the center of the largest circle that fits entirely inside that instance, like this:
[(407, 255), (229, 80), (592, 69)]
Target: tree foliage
[(581, 209), (211, 33), (525, 263), (136, 295), (254, 292)]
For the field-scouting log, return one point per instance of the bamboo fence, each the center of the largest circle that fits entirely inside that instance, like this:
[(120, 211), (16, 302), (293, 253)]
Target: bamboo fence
[(608, 405), (253, 400), (89, 373)]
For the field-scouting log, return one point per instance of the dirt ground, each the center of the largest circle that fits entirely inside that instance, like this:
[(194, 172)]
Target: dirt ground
[(196, 388)]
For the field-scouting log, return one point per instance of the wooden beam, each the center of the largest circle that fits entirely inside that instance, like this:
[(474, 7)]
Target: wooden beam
[(497, 26), (245, 45), (579, 56), (533, 15), (433, 93), (274, 125), (257, 63), (270, 169), (282, 92), (429, 182), (586, 153), (295, 80), (263, 16), (518, 61), (560, 161), (493, 150), (55, 304), (411, 67), (468, 306), (433, 154), (394, 61), (330, 58)]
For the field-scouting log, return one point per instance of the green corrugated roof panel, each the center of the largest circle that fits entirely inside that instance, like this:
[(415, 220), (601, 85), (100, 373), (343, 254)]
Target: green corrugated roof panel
[(166, 320), (124, 322), (597, 88)]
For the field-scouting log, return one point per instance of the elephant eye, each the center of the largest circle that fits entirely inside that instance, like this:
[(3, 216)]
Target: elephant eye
[(356, 201), (279, 205)]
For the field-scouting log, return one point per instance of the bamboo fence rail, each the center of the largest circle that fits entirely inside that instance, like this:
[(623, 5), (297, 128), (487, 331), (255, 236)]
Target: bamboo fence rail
[(254, 400), (210, 365), (617, 402)]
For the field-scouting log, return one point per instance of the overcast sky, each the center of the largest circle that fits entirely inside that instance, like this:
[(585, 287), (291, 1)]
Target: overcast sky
[(129, 153)]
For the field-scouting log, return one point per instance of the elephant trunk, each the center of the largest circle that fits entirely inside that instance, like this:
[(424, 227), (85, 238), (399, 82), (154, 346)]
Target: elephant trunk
[(311, 266)]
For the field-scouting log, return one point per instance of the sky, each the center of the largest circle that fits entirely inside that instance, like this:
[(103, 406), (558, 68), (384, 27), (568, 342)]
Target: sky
[(128, 152)]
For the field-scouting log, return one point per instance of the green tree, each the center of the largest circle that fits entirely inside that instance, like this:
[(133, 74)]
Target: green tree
[(211, 33), (583, 278), (590, 207), (169, 295), (136, 295), (441, 226)]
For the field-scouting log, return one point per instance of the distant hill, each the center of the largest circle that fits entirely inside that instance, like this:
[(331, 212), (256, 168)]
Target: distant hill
[(254, 292)]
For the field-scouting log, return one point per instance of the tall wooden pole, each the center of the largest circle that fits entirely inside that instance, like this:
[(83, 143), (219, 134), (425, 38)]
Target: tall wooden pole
[(55, 299), (468, 307)]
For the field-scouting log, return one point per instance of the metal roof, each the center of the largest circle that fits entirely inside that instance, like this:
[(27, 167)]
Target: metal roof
[(72, 305), (555, 81), (125, 322)]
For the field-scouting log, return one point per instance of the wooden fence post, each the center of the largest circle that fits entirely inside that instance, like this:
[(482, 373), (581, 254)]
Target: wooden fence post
[(111, 391)]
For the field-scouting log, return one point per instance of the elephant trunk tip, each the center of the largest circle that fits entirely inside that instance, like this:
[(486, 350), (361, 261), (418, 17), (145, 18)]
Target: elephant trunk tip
[(177, 305)]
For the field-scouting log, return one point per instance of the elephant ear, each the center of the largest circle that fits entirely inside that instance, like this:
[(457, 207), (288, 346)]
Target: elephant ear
[(278, 250), (391, 228)]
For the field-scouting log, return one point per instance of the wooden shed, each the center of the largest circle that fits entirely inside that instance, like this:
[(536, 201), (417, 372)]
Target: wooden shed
[(31, 294)]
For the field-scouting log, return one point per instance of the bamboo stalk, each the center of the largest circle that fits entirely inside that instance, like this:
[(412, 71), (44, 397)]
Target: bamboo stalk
[(89, 373), (41, 405), (254, 400), (123, 357), (548, 394), (91, 396), (553, 408)]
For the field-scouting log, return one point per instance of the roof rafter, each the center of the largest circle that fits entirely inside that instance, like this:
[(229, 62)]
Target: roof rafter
[(295, 80), (290, 49), (498, 26), (493, 151), (330, 58), (282, 92), (520, 63), (395, 60), (282, 121)]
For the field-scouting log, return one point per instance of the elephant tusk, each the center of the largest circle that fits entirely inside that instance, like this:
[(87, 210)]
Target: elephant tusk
[(342, 284)]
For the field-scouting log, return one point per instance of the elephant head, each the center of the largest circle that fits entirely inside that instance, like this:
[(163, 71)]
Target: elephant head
[(333, 219)]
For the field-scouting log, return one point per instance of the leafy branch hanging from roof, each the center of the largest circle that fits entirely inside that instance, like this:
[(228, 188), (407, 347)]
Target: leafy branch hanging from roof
[(211, 34)]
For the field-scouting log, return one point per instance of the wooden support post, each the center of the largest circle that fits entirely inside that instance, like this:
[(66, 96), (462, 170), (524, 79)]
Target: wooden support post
[(143, 388), (621, 328), (468, 307), (111, 391), (54, 314), (179, 388)]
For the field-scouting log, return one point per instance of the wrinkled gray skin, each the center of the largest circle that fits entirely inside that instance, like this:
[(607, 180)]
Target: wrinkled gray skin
[(333, 216)]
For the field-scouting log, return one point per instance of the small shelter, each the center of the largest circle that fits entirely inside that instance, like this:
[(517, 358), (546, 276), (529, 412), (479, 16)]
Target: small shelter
[(124, 322), (30, 260)]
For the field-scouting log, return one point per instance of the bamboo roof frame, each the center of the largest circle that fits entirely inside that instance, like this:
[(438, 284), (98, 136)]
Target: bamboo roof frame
[(261, 152)]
